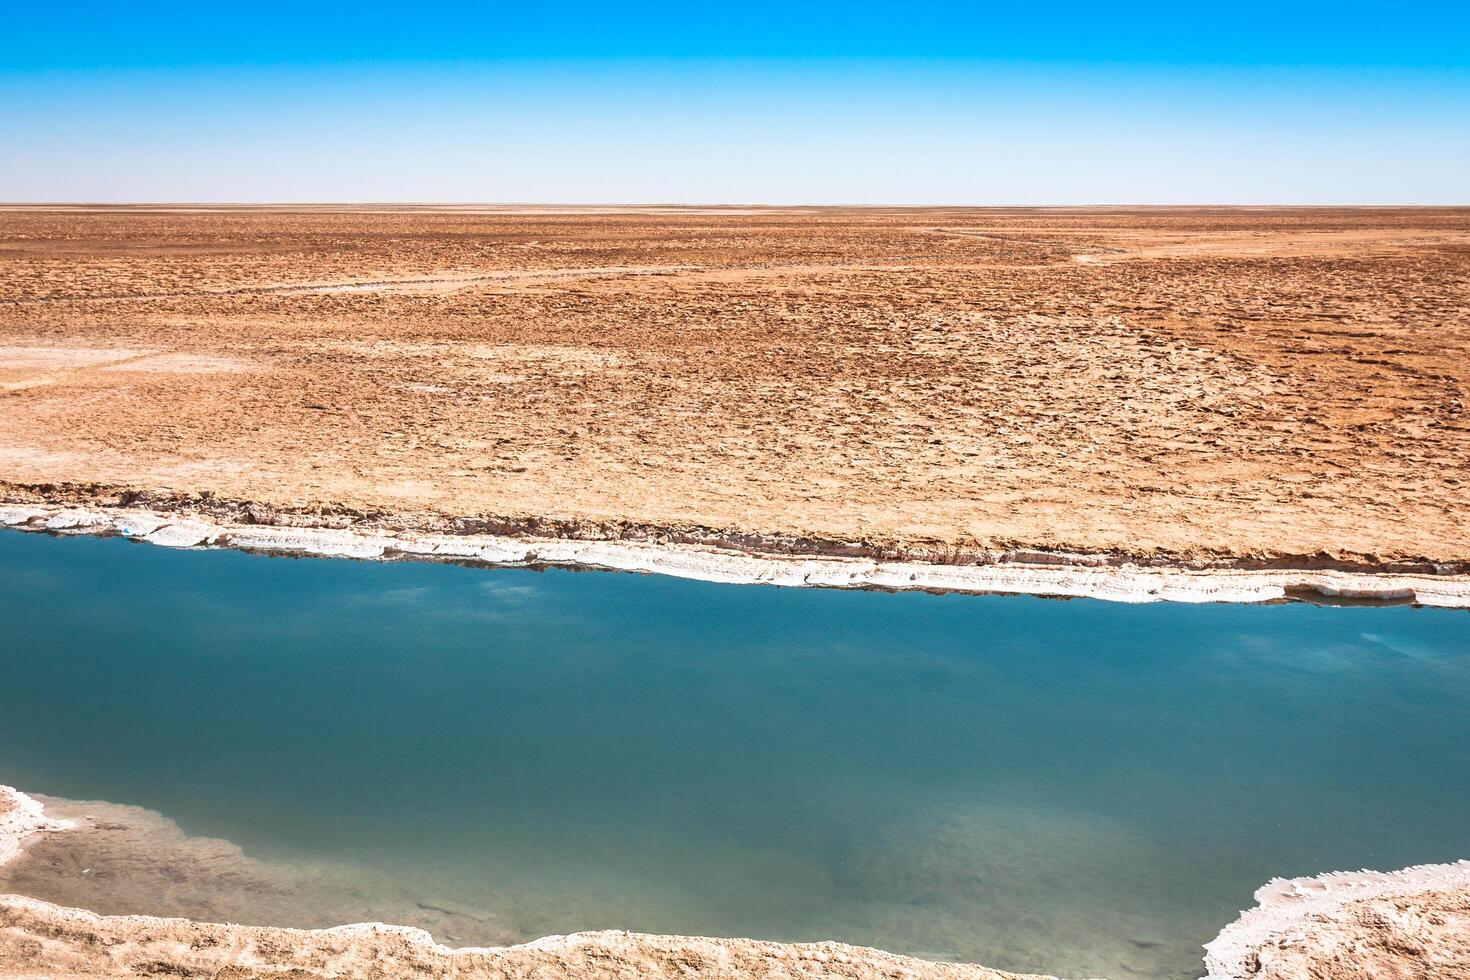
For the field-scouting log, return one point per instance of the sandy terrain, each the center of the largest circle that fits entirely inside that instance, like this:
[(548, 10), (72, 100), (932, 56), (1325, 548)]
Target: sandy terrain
[(42, 940), (1285, 386)]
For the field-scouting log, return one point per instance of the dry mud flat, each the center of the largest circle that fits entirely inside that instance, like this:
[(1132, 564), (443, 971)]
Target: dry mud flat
[(1409, 924), (1237, 388)]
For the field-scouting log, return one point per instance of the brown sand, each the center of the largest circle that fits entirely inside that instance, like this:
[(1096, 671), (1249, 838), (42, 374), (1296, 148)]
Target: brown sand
[(1167, 383)]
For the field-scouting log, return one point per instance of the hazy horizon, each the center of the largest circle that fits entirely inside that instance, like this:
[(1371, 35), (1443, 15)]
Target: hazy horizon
[(821, 104)]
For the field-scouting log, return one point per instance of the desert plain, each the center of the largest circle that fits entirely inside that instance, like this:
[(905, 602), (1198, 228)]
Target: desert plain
[(1215, 388), (1249, 386)]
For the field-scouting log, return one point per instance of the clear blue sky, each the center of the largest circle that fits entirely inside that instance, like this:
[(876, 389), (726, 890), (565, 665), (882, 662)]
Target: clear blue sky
[(757, 102)]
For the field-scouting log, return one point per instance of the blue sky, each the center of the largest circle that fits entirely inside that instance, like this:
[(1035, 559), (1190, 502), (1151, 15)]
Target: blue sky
[(775, 103)]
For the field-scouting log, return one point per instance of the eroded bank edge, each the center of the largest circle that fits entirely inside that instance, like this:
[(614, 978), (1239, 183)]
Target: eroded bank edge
[(1027, 574), (1410, 922), (210, 507)]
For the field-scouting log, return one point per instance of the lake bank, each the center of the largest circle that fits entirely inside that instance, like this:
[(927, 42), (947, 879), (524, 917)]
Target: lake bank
[(707, 555), (1333, 926), (495, 755), (38, 937)]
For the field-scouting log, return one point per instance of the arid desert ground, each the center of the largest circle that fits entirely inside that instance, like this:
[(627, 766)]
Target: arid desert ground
[(1250, 385), (1217, 388)]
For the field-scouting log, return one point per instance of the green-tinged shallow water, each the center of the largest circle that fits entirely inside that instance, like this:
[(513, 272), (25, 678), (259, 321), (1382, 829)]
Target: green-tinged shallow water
[(1077, 787)]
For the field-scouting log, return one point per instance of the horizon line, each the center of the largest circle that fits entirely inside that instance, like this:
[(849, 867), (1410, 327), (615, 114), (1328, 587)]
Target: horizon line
[(16, 205)]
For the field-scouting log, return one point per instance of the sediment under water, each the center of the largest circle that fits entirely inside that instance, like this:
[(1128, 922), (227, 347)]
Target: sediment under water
[(1080, 788)]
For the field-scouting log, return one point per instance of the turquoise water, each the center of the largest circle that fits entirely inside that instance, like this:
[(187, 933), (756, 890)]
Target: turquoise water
[(1074, 787)]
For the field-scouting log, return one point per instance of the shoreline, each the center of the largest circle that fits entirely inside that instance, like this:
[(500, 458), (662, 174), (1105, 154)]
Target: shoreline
[(1335, 924), (711, 556), (40, 938), (1326, 927)]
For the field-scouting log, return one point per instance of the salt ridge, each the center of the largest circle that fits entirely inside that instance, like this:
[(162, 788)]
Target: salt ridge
[(1046, 575)]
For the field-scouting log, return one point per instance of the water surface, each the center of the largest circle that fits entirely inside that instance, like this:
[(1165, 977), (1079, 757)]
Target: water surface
[(1079, 787)]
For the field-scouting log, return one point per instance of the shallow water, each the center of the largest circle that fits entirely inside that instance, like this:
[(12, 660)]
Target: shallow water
[(1079, 787)]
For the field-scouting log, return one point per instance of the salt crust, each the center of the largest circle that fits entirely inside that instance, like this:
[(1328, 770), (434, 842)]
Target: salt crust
[(1046, 575)]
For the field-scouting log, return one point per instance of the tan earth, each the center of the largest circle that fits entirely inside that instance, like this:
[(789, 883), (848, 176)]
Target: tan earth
[(41, 940), (1271, 385)]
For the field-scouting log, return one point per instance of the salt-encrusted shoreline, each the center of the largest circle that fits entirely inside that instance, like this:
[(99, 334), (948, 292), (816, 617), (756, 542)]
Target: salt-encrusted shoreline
[(41, 939), (1351, 924), (20, 818), (1045, 574), (1336, 926)]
